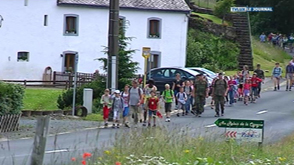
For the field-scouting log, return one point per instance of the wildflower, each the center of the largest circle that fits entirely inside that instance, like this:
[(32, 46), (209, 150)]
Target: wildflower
[(117, 163), (281, 159), (107, 152), (84, 162), (73, 159), (186, 151), (87, 155), (99, 158)]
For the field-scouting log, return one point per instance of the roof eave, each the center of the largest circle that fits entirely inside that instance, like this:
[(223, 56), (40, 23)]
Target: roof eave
[(131, 8)]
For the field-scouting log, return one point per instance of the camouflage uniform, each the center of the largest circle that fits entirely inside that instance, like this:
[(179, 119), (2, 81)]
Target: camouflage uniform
[(200, 88), (220, 86)]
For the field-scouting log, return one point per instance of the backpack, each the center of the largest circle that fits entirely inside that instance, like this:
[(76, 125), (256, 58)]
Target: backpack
[(184, 94), (121, 99), (164, 93), (139, 91)]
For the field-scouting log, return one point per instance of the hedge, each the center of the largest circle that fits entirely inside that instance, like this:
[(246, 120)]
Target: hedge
[(11, 98)]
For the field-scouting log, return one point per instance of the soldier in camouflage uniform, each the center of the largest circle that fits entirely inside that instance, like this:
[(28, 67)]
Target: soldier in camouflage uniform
[(220, 90), (200, 92)]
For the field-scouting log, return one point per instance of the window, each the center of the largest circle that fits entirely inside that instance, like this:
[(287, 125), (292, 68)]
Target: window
[(45, 20), (154, 60), (154, 28), (69, 62), (71, 25), (22, 56)]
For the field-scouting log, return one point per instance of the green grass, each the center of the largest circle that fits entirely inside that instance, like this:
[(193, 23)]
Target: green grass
[(41, 99), (93, 117), (160, 146), (266, 55), (209, 4), (213, 18)]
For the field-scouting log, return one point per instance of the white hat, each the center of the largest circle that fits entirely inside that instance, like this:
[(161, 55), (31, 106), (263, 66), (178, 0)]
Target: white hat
[(117, 92)]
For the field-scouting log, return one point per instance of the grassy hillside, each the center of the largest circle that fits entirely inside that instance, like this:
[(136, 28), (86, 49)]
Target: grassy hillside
[(213, 18), (267, 55)]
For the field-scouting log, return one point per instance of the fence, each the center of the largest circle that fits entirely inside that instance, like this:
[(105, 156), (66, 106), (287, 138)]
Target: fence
[(9, 123), (66, 79)]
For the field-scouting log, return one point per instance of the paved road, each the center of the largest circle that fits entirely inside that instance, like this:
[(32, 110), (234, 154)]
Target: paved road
[(276, 108)]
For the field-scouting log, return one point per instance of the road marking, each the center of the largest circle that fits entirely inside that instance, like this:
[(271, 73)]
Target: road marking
[(261, 112), (56, 151), (212, 125)]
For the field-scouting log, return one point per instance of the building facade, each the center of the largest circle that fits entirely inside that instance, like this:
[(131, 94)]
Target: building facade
[(36, 35)]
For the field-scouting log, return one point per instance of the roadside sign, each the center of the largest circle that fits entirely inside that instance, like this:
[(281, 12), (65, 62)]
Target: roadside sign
[(239, 123), (146, 52), (241, 129), (244, 134)]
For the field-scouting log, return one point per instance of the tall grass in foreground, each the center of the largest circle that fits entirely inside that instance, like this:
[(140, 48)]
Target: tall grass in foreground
[(159, 146)]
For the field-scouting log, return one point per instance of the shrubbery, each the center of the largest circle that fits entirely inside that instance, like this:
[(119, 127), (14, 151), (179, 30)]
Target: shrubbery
[(211, 52), (11, 96), (98, 86)]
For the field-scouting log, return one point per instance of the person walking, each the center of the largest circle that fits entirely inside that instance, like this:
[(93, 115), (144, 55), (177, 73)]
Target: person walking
[(276, 76), (245, 73), (168, 96), (232, 88), (289, 76), (220, 90), (147, 94), (260, 74), (106, 101), (188, 91), (255, 81), (152, 103), (177, 84), (125, 96), (182, 99), (200, 92), (262, 37), (117, 108), (135, 100)]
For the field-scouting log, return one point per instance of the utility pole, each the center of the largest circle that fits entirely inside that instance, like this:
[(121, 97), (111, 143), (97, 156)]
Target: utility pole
[(112, 67)]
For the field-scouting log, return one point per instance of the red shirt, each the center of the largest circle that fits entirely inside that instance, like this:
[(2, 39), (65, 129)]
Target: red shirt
[(246, 86), (232, 82), (152, 103), (255, 81)]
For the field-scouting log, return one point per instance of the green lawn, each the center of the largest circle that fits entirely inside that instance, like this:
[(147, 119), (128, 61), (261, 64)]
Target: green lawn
[(41, 99), (213, 18), (93, 117), (266, 55), (210, 4)]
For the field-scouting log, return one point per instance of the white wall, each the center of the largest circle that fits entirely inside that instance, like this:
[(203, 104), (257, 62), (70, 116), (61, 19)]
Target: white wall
[(23, 30)]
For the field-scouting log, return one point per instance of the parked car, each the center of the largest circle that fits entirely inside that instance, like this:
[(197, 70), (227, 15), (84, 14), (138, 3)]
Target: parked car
[(166, 75), (209, 73)]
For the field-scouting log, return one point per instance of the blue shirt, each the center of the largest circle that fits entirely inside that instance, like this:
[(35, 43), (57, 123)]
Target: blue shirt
[(277, 71), (290, 69)]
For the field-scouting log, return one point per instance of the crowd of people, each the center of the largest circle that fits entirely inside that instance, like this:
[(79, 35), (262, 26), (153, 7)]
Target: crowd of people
[(142, 104), (280, 40)]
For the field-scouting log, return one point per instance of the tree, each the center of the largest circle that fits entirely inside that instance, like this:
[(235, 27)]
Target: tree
[(126, 67), (223, 7)]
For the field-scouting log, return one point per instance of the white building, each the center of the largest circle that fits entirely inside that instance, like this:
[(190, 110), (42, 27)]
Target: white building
[(36, 34)]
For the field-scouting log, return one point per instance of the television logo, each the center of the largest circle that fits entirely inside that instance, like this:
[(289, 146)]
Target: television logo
[(251, 9)]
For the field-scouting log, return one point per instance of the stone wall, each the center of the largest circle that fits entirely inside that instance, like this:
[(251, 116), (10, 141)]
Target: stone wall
[(198, 9), (216, 29)]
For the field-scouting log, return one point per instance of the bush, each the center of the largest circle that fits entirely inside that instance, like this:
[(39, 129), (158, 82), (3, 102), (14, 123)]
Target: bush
[(211, 52), (65, 100), (11, 98), (222, 8)]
